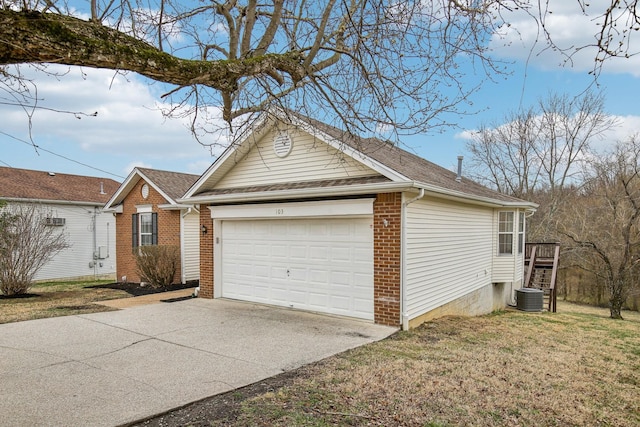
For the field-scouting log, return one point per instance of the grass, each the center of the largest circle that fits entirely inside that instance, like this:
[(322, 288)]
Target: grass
[(53, 299), (576, 367)]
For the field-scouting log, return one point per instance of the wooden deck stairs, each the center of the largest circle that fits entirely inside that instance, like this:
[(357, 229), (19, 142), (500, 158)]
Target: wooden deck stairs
[(541, 270)]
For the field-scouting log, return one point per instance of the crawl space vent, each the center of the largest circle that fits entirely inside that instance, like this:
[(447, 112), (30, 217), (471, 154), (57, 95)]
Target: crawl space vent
[(529, 299)]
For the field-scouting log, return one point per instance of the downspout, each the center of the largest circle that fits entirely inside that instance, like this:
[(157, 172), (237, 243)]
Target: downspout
[(183, 274), (403, 256), (95, 243)]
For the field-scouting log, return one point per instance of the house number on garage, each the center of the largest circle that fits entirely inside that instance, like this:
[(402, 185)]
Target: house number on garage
[(279, 211)]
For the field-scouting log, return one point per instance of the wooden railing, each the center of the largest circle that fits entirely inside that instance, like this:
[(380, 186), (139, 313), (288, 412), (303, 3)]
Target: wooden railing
[(541, 269)]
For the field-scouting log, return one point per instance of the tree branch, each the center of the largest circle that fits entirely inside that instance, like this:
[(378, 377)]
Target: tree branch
[(32, 37)]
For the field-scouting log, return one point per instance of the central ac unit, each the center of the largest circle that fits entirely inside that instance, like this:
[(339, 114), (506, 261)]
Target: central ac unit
[(529, 299)]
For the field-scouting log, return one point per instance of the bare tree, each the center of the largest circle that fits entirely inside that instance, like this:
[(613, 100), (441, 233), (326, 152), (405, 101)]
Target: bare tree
[(537, 152), (26, 245), (602, 222), (372, 65), (618, 25)]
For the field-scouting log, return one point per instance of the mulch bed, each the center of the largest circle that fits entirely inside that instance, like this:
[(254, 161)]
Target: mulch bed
[(136, 290)]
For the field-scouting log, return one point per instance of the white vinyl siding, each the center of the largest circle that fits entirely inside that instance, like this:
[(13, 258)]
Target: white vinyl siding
[(191, 246), (309, 160), (449, 250), (507, 268), (74, 262)]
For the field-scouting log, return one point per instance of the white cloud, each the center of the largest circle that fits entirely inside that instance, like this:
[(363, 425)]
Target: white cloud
[(129, 124), (524, 40), (626, 127)]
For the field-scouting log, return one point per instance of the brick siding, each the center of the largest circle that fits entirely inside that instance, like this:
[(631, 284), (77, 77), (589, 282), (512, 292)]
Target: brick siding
[(387, 258), (168, 231), (206, 254)]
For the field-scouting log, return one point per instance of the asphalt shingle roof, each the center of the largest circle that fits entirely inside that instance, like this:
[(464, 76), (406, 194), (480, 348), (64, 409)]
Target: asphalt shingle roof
[(413, 167), (41, 185), (173, 184)]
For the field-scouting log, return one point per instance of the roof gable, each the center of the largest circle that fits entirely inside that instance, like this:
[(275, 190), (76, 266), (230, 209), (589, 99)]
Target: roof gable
[(382, 157), (171, 185), (26, 184)]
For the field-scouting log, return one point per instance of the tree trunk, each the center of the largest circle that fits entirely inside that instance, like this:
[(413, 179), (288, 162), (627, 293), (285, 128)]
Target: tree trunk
[(617, 299)]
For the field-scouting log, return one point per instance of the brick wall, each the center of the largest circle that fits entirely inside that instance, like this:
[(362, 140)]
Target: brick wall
[(387, 224), (206, 254), (168, 231)]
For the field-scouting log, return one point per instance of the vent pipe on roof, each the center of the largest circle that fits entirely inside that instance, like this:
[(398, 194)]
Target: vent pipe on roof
[(459, 176), (102, 188)]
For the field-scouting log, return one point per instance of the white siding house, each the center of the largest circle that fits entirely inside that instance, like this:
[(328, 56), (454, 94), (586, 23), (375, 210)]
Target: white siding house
[(75, 205), (309, 217)]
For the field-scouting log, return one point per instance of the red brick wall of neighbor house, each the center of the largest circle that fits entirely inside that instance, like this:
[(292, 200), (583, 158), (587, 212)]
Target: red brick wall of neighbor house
[(206, 254), (168, 231), (386, 258)]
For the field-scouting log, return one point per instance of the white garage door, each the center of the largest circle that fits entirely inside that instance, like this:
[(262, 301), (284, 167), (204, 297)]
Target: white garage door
[(323, 265)]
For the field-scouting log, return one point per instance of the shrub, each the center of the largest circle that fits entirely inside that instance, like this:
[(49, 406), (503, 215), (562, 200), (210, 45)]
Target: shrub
[(26, 245), (157, 265)]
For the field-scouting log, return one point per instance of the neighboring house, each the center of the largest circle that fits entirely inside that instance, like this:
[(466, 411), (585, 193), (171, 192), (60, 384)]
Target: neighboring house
[(147, 213), (73, 204), (300, 214)]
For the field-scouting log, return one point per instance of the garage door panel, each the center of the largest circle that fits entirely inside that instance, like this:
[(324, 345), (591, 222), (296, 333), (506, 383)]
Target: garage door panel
[(315, 264)]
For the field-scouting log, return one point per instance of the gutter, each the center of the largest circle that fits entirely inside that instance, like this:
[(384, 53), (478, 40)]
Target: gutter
[(52, 201), (301, 193), (249, 197), (404, 317)]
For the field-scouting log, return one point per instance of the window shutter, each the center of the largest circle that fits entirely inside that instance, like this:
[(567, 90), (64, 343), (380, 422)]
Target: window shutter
[(154, 228), (134, 230)]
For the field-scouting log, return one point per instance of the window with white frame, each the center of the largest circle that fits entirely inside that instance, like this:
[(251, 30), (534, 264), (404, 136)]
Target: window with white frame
[(520, 232), (144, 229), (505, 233)]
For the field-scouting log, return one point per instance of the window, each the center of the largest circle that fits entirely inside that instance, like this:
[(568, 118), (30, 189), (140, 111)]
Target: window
[(520, 232), (144, 230), (505, 233)]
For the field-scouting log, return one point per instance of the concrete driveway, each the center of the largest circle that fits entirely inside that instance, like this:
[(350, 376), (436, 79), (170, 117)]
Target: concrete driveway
[(107, 369)]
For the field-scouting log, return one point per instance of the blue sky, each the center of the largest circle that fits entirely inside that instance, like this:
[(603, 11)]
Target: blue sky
[(130, 131)]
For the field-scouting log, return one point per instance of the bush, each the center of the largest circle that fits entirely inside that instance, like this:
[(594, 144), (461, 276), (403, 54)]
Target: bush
[(157, 265), (26, 245)]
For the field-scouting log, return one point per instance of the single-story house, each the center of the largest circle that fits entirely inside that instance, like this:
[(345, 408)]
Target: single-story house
[(303, 215), (147, 213), (73, 204)]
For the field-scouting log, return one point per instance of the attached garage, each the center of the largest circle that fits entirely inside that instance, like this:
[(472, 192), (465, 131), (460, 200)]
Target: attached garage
[(322, 264), (302, 215)]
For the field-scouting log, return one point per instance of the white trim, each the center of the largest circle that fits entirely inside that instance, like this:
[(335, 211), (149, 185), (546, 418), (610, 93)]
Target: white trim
[(217, 259), (52, 202), (175, 207), (360, 189), (348, 190), (144, 208), (324, 208)]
